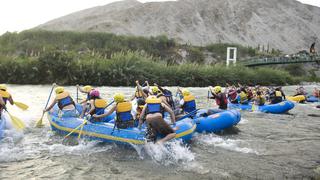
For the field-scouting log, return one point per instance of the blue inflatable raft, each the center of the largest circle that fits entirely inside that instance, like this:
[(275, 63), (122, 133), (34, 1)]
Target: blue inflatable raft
[(216, 122), (2, 127), (312, 99), (105, 131), (278, 108)]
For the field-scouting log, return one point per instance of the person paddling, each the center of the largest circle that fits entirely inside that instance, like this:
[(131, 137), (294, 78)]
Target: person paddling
[(2, 105), (259, 99), (124, 118), (188, 101), (86, 102), (6, 96), (64, 102), (153, 112), (97, 105), (219, 96)]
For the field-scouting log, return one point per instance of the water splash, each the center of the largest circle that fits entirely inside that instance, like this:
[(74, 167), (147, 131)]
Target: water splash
[(243, 121), (170, 153), (225, 143), (12, 148)]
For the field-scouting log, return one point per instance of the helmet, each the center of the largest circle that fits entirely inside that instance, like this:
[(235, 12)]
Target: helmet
[(94, 93), (155, 89), (141, 102), (185, 92), (217, 89), (3, 87), (59, 90), (87, 88), (118, 97)]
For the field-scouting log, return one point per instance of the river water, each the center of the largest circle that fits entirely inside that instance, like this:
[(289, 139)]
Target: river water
[(262, 146)]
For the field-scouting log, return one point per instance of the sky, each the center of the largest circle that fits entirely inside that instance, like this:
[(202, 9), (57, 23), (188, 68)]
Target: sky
[(18, 15)]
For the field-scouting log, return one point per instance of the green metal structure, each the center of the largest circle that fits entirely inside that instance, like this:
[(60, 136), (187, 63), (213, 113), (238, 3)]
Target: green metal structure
[(298, 58)]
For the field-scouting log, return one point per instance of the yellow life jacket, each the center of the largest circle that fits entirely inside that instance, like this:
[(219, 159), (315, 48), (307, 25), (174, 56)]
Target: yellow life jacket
[(100, 103), (4, 94), (64, 99), (154, 106), (189, 103), (188, 98), (153, 101), (124, 112), (278, 94), (124, 107), (243, 96), (62, 95)]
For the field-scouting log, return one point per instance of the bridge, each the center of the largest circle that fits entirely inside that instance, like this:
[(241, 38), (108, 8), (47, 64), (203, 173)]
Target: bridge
[(298, 58)]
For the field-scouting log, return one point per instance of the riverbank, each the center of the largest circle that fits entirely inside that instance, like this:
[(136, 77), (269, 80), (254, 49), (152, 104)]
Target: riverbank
[(122, 69)]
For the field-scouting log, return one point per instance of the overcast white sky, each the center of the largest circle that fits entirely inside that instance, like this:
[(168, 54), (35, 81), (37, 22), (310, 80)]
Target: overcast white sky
[(18, 15)]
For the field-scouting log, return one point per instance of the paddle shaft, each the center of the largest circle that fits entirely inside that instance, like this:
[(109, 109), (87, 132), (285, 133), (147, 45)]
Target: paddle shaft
[(77, 94), (49, 96), (189, 114), (81, 125), (39, 123)]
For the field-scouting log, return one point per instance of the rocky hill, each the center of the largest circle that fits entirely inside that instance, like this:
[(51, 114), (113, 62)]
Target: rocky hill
[(287, 25)]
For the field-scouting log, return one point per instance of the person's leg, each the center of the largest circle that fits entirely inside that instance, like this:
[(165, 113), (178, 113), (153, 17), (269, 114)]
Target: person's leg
[(84, 109), (167, 138)]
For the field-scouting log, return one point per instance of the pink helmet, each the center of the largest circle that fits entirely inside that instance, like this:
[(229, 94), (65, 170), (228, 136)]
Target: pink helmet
[(94, 93)]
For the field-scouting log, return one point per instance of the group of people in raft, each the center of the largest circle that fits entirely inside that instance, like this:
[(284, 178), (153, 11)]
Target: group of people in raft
[(152, 102)]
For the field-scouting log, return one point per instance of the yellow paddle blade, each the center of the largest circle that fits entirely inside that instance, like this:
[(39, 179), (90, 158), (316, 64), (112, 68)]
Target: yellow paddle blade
[(21, 105), (39, 122), (79, 136), (17, 123), (253, 108), (75, 129)]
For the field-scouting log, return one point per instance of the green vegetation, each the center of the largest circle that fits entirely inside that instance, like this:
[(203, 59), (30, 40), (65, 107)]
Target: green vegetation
[(125, 68), (39, 57)]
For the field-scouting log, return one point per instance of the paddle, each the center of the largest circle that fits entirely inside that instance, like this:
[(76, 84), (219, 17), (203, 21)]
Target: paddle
[(39, 123), (21, 105), (77, 94), (189, 114), (253, 107), (82, 124), (17, 123)]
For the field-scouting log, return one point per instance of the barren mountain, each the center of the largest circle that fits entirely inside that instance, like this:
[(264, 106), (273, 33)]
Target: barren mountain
[(287, 25)]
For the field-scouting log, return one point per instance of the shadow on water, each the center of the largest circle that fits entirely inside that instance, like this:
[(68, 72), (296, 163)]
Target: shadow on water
[(234, 130)]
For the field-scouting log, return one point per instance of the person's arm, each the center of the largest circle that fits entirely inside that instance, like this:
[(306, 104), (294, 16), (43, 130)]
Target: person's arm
[(2, 101), (106, 114), (83, 101), (283, 95), (51, 105), (10, 99), (214, 95), (141, 116), (91, 107), (148, 86), (139, 89), (80, 89), (164, 100), (169, 110), (179, 90), (132, 98)]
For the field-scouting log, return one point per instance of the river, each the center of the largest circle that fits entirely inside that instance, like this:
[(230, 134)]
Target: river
[(262, 146)]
